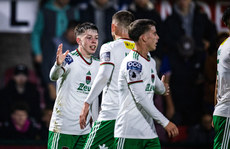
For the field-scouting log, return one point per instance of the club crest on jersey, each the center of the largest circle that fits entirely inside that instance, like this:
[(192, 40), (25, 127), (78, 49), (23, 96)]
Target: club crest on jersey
[(88, 77), (152, 76), (68, 59), (134, 69), (105, 57)]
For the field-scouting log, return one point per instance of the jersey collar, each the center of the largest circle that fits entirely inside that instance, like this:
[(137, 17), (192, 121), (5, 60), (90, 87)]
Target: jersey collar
[(126, 39), (89, 63), (147, 59)]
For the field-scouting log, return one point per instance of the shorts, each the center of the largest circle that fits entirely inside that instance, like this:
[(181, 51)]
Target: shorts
[(101, 135), (127, 143), (222, 132), (64, 141)]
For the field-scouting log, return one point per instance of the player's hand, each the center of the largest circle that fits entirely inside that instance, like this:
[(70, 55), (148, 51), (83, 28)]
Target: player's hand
[(172, 130), (61, 56), (83, 115), (212, 124), (167, 89)]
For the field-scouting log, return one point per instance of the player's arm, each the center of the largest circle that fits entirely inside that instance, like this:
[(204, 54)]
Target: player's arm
[(215, 94), (94, 109), (103, 76), (138, 92), (137, 88), (161, 86), (215, 98), (57, 70)]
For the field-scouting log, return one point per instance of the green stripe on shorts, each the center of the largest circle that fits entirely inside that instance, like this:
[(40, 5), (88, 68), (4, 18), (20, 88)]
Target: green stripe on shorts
[(127, 143), (61, 141), (222, 130), (101, 135)]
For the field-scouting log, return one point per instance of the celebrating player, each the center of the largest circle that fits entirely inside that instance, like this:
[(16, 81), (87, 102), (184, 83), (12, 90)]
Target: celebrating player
[(221, 115), (74, 74), (137, 83), (111, 56)]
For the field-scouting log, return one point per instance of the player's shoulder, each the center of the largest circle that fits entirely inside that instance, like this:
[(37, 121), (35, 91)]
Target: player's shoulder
[(123, 43), (118, 44), (74, 53)]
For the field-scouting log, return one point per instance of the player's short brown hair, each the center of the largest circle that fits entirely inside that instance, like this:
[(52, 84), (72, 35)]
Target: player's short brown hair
[(123, 18), (81, 28), (139, 27)]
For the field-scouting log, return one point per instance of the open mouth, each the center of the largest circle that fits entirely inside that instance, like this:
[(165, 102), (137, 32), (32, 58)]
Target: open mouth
[(93, 47)]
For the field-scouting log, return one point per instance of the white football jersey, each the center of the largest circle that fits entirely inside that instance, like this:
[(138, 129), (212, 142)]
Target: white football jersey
[(222, 107), (133, 121), (72, 89), (113, 53)]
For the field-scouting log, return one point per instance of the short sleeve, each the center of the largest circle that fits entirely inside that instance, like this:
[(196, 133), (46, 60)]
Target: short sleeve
[(106, 55)]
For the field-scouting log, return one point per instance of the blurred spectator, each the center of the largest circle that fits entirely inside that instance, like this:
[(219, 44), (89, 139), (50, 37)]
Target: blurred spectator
[(19, 127), (202, 133), (52, 21), (45, 121), (68, 38), (145, 9), (189, 35), (19, 89), (99, 12)]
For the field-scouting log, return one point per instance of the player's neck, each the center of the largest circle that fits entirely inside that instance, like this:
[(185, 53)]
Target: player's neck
[(84, 53), (126, 36), (140, 48)]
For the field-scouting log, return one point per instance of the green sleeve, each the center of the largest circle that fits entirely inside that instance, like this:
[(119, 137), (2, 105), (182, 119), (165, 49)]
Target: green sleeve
[(37, 33)]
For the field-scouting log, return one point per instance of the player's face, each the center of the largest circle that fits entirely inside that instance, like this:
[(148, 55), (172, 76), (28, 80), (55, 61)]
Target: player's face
[(89, 41), (152, 38)]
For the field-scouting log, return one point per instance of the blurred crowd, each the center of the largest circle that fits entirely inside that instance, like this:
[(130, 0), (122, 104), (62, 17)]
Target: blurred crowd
[(186, 54)]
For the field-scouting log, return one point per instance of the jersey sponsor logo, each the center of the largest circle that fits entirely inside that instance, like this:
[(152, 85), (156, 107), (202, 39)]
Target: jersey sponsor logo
[(68, 60), (149, 87), (129, 45), (152, 75), (105, 57), (83, 88), (134, 69)]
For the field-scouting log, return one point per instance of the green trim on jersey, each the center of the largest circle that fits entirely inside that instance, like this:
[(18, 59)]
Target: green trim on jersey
[(101, 135), (222, 132), (89, 63), (95, 58), (60, 141), (127, 143), (135, 55), (74, 53)]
